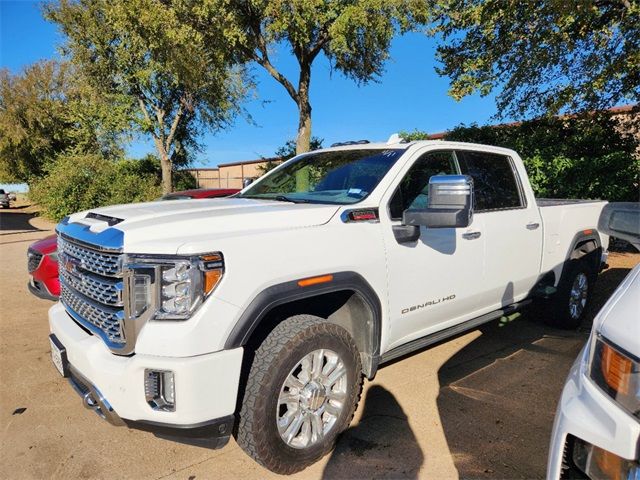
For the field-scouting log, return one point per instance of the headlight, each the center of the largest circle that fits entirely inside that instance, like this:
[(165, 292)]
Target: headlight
[(172, 287), (54, 256), (617, 373)]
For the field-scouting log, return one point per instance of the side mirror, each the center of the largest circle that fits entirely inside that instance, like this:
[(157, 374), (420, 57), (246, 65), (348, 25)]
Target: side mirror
[(246, 182), (450, 203)]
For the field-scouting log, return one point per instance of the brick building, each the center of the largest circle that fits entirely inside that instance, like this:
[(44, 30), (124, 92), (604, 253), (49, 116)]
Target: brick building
[(229, 175)]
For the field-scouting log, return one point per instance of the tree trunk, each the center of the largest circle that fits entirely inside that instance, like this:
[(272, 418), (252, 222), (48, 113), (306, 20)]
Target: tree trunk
[(303, 141), (167, 172)]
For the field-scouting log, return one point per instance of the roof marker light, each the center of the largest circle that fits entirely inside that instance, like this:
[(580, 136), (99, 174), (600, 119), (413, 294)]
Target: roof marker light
[(395, 138)]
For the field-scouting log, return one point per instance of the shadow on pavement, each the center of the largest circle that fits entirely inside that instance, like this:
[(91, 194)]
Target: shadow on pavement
[(381, 445), (498, 394), (12, 223)]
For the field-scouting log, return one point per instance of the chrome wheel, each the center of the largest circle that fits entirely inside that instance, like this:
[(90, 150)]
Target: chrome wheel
[(578, 295), (312, 399)]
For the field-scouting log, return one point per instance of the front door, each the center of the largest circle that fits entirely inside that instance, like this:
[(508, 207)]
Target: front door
[(436, 281)]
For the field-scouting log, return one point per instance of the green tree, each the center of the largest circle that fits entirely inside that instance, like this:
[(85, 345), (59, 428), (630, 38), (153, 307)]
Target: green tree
[(288, 150), (355, 35), (176, 79), (47, 109), (285, 152), (543, 57)]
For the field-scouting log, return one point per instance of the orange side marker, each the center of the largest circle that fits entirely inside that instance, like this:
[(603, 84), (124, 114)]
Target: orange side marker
[(307, 282)]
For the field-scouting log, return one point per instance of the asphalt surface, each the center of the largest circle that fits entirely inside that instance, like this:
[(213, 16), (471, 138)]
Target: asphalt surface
[(478, 406)]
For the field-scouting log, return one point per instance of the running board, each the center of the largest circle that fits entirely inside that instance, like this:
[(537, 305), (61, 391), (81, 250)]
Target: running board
[(436, 337)]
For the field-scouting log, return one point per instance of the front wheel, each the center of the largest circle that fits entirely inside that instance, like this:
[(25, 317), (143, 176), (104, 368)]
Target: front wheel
[(302, 390)]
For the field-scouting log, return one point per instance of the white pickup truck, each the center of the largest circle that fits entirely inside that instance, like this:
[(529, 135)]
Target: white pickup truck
[(261, 313)]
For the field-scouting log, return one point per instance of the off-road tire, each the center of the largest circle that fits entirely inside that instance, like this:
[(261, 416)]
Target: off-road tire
[(287, 344), (558, 313)]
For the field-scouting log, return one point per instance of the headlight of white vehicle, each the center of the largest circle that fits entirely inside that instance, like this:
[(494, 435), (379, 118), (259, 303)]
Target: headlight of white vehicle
[(172, 287), (616, 372)]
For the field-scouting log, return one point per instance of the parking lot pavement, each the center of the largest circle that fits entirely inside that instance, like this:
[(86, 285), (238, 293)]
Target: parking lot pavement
[(480, 405)]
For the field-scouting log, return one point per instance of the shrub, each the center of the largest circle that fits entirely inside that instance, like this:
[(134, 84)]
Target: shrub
[(76, 182)]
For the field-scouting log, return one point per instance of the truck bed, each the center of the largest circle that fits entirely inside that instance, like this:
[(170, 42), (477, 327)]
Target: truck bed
[(563, 220), (554, 202)]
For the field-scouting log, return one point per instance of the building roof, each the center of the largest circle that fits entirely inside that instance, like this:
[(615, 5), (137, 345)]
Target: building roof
[(249, 162)]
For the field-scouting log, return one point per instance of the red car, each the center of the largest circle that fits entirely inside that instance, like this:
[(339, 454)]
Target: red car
[(42, 263), (200, 193), (42, 256)]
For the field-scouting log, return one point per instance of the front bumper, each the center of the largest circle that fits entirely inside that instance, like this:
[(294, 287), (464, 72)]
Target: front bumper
[(206, 386), (588, 414), (39, 289)]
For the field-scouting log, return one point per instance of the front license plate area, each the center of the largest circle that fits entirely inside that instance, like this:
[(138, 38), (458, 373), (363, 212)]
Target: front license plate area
[(59, 356)]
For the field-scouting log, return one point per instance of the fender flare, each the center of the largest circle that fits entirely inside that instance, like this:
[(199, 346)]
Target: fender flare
[(287, 292), (578, 238)]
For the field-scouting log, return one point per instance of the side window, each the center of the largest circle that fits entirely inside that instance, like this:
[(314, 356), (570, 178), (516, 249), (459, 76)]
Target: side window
[(413, 190), (494, 181)]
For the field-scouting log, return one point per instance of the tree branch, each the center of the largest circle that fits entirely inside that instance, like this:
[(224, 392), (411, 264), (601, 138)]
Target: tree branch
[(156, 139), (160, 120), (323, 38), (263, 59), (174, 127), (143, 107)]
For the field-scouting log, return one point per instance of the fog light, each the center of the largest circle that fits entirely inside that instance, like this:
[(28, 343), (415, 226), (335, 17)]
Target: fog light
[(160, 390), (598, 463)]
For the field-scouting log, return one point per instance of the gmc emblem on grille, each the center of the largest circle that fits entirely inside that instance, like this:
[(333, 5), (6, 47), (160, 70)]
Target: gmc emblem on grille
[(71, 266)]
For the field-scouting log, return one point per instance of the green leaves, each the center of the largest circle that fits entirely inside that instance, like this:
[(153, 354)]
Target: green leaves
[(542, 57), (165, 58), (50, 108), (355, 35), (77, 182)]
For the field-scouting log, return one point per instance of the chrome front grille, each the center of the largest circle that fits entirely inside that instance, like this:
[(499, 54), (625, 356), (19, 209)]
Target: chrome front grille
[(92, 289), (102, 263), (92, 286), (108, 320)]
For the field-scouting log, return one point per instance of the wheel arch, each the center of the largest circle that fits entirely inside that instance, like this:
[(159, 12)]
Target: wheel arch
[(347, 300), (585, 243)]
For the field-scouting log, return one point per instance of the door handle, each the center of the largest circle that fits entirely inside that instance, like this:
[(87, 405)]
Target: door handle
[(532, 226), (471, 235)]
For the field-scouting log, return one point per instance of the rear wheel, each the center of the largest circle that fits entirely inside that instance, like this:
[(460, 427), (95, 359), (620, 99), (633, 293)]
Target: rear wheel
[(301, 393), (568, 305)]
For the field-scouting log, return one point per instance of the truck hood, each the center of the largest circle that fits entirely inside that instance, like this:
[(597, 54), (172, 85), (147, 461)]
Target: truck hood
[(164, 226)]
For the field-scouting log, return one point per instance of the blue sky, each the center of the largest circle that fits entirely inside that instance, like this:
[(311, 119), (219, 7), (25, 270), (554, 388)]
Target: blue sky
[(410, 95)]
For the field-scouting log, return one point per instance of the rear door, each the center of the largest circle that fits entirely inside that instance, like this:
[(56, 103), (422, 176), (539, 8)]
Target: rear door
[(512, 227)]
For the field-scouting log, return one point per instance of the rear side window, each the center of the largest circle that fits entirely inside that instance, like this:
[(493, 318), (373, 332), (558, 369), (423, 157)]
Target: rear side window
[(413, 191), (494, 180)]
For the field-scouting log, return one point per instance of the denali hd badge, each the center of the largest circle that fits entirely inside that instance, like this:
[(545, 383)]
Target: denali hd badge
[(427, 304)]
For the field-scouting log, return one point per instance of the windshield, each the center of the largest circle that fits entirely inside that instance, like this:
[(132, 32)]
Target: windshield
[(339, 177)]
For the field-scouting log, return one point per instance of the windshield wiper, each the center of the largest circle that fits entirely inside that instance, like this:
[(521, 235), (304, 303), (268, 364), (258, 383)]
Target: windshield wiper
[(277, 198), (283, 198)]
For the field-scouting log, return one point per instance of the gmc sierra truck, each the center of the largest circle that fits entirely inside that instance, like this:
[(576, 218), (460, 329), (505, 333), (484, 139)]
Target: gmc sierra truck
[(260, 314)]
